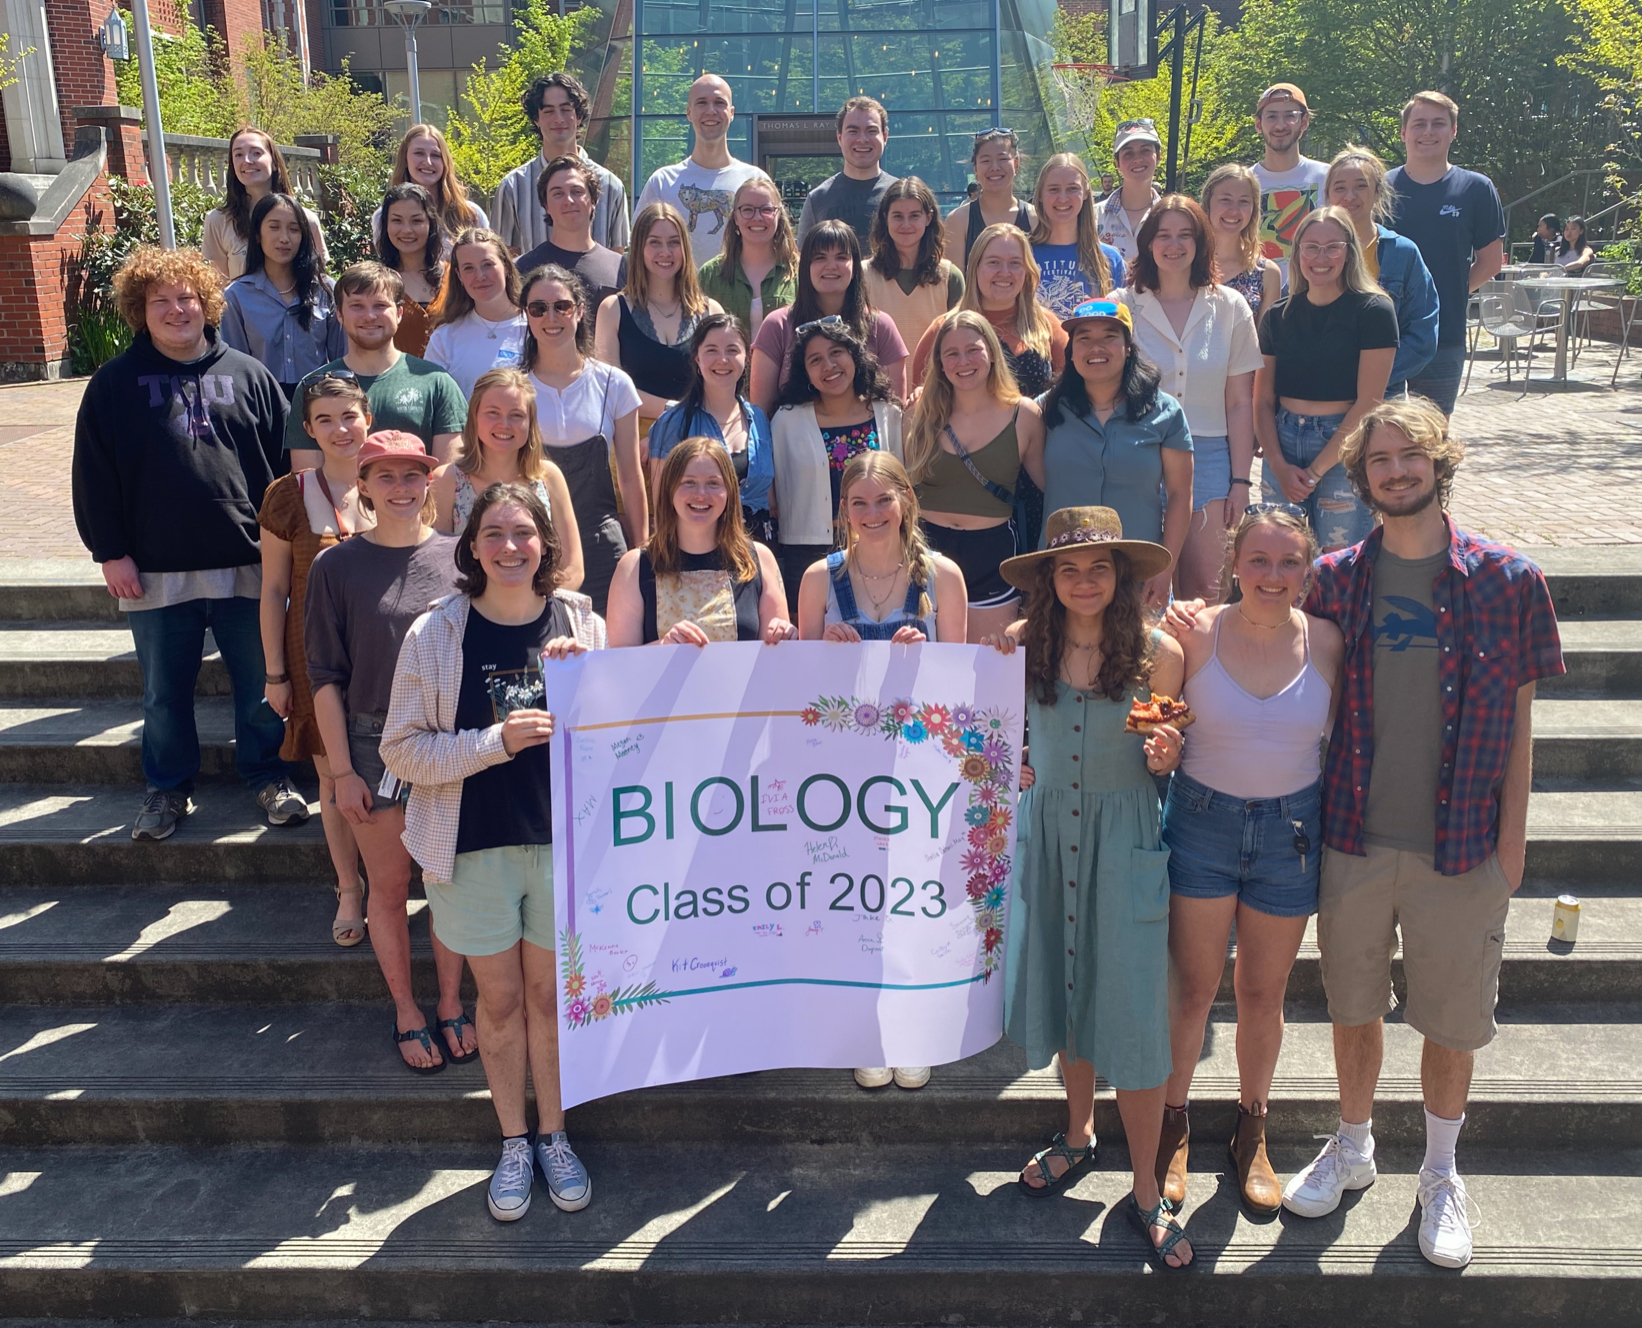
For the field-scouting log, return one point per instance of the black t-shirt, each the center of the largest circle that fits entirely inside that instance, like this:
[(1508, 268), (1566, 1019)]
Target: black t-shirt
[(510, 803), (1317, 346), (603, 271)]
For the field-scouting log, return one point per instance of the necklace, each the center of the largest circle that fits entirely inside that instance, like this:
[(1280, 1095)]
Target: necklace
[(664, 311), (1269, 627), (491, 327), (869, 576), (878, 602)]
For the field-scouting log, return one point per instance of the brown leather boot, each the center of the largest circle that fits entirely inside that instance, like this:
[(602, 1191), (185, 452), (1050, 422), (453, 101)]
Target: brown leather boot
[(1256, 1181), (1171, 1156)]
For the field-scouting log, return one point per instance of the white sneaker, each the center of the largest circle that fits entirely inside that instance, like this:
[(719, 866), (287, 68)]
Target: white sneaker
[(911, 1076), (1316, 1190), (1445, 1221), (877, 1076)]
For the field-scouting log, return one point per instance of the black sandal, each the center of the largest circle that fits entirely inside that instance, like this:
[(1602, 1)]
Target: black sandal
[(1077, 1162), (455, 1025), (417, 1035), (1159, 1217)]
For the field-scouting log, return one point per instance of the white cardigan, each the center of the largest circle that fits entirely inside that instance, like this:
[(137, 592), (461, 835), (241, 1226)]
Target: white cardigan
[(802, 489)]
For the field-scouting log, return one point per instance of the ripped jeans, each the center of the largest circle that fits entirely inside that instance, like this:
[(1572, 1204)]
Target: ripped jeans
[(1337, 515)]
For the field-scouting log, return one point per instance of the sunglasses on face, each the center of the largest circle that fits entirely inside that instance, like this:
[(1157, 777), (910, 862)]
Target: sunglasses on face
[(540, 308)]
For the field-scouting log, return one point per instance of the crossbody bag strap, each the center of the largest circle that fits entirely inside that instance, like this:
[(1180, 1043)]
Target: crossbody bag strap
[(1002, 494)]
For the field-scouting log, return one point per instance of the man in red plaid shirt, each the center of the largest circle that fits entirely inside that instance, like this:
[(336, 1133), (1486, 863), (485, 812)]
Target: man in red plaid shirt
[(1425, 798)]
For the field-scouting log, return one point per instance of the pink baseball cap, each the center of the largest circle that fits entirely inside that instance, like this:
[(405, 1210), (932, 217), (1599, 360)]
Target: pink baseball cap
[(394, 445)]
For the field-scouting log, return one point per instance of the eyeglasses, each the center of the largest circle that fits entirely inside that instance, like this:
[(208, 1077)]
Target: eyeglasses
[(750, 212), (1287, 509), (1315, 251), (997, 132), (1288, 117), (540, 308), (831, 323)]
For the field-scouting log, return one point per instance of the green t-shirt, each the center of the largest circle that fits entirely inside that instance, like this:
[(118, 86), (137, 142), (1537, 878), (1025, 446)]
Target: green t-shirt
[(1402, 783), (414, 395)]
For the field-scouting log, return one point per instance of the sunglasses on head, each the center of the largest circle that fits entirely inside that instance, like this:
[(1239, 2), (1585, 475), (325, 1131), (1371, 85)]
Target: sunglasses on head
[(1287, 509), (312, 386), (1146, 123), (827, 324), (997, 132), (540, 308)]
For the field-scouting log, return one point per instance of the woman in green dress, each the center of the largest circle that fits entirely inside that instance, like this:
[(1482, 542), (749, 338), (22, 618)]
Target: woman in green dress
[(1088, 957)]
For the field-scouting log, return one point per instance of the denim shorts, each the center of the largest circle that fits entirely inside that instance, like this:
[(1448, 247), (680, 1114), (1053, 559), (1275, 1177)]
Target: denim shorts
[(1221, 846), (1211, 470), (1337, 515)]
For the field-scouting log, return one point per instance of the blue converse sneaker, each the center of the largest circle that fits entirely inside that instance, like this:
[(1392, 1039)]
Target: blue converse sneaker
[(509, 1196), (566, 1177)]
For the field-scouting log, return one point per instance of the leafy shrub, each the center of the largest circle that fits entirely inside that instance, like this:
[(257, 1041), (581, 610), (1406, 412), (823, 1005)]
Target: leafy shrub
[(350, 196)]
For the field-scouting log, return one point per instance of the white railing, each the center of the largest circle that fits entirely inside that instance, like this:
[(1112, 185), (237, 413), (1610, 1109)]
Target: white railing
[(205, 162)]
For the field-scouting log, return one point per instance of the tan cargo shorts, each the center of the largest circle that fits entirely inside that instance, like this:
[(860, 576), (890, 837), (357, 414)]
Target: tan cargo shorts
[(1453, 937)]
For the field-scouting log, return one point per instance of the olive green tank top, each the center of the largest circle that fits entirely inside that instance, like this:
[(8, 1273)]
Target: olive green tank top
[(949, 487)]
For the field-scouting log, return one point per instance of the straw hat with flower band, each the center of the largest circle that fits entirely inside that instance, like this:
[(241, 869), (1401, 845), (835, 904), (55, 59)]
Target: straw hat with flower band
[(1087, 528)]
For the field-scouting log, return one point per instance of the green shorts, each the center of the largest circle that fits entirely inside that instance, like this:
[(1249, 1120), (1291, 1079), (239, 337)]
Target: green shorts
[(497, 897)]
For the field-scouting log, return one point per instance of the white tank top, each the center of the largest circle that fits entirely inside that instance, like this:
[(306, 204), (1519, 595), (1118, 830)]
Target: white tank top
[(1246, 747)]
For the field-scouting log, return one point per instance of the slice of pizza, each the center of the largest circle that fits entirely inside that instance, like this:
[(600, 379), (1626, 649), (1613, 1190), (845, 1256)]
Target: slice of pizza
[(1144, 716)]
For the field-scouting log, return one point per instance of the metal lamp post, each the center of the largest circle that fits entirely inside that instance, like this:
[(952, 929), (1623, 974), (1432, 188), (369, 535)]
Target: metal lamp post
[(411, 13)]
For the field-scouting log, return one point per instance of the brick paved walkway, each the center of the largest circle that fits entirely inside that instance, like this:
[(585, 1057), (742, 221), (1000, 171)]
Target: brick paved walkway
[(1559, 467)]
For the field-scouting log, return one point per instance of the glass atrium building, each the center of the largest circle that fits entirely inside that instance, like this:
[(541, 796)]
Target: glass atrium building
[(943, 69)]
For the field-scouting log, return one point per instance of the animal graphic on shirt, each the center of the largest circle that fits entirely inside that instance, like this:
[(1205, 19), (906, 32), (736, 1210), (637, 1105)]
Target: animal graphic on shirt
[(1408, 625), (1281, 212), (697, 202)]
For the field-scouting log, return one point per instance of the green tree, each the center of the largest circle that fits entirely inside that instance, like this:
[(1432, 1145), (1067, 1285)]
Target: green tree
[(1525, 117), (196, 96), (9, 63), (488, 132), (279, 102)]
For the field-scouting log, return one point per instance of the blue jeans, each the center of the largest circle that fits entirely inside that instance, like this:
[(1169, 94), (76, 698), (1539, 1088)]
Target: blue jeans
[(170, 645), (1220, 846), (1337, 515), (1440, 380)]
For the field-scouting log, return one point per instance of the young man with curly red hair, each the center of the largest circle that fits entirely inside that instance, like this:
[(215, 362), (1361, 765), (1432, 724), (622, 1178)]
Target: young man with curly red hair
[(175, 442)]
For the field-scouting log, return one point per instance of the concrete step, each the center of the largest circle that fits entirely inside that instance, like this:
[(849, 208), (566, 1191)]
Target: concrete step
[(100, 742), (137, 943), (82, 834), (63, 740), (1592, 582), (293, 1073), (1604, 658), (82, 659), (785, 1235), (51, 589)]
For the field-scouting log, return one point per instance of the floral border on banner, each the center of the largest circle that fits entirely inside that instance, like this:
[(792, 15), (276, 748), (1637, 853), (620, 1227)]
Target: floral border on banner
[(976, 739), (583, 1007)]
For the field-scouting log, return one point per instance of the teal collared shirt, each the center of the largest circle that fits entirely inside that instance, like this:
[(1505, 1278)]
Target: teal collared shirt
[(735, 293), (1118, 464)]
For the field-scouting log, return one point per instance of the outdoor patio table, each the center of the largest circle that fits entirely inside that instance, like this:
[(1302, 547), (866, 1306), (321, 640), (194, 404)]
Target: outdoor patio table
[(1571, 288)]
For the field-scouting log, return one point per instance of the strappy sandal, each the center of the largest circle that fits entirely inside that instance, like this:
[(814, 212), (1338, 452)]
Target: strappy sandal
[(455, 1026), (1159, 1217), (417, 1035), (1078, 1161), (340, 930)]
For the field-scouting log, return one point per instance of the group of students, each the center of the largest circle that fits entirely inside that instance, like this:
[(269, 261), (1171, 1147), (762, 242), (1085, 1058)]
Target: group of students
[(393, 494)]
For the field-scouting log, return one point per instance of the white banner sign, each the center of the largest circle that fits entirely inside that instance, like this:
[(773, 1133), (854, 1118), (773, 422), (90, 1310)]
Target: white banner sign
[(773, 856)]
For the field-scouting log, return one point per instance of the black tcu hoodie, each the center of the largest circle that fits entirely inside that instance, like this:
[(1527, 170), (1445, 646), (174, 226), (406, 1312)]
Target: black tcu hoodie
[(171, 458)]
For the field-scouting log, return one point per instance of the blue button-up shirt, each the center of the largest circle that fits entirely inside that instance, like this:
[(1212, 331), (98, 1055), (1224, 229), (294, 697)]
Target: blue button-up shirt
[(256, 320), (673, 428), (1497, 632), (1118, 464)]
